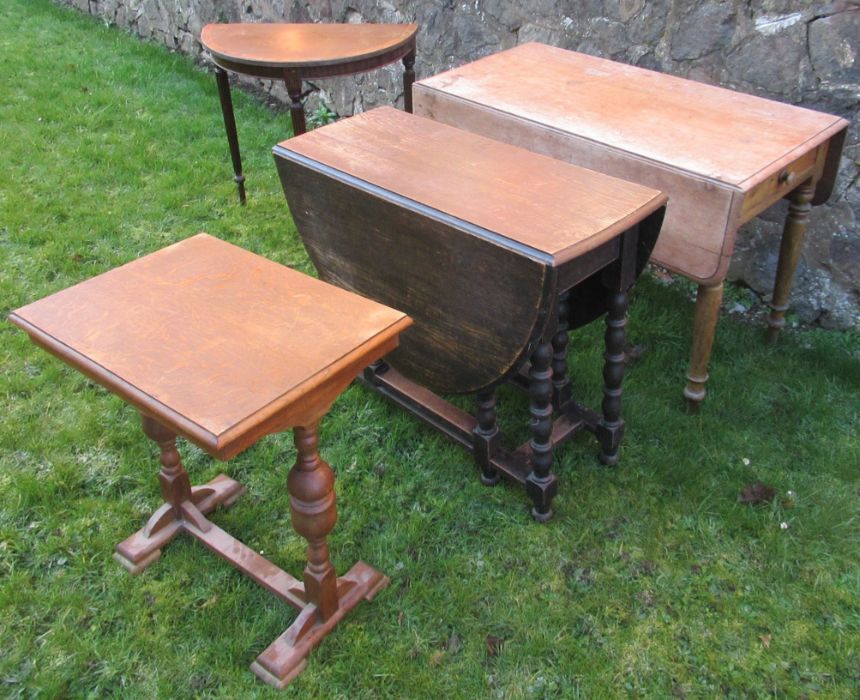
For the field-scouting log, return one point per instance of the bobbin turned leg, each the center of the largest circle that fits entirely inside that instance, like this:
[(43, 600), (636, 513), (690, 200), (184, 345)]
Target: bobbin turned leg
[(181, 502), (297, 109), (408, 79), (230, 128), (560, 381), (328, 599), (796, 223), (487, 437), (541, 483), (708, 301), (611, 429)]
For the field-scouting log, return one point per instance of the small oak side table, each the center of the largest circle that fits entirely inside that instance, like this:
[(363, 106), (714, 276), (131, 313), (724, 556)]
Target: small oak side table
[(298, 52), (223, 347), (721, 156), (497, 253)]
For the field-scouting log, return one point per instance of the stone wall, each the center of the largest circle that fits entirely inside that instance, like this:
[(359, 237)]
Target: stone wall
[(795, 51)]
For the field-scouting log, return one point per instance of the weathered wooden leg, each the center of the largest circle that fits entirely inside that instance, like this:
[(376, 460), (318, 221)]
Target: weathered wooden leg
[(541, 483), (328, 599), (297, 109), (487, 438), (611, 428), (230, 128), (789, 254), (708, 302), (560, 381), (408, 79), (181, 501)]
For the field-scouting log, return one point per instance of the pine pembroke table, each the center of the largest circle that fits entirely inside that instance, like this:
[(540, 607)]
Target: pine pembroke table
[(722, 157)]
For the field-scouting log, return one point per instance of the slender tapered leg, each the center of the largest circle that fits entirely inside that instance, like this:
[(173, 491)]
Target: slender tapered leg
[(181, 501), (408, 79), (560, 381), (611, 428), (708, 301), (487, 436), (541, 483), (328, 599), (793, 235), (297, 109), (230, 128)]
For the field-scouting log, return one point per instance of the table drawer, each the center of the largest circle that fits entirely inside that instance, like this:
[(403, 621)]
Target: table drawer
[(782, 182)]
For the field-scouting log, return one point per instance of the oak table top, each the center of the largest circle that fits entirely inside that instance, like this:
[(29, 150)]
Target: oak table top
[(216, 342), (222, 346), (495, 252), (547, 209), (719, 154)]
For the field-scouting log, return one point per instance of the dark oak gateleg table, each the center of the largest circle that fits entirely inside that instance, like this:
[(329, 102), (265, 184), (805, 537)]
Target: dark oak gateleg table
[(496, 253), (221, 346), (298, 52), (723, 157)]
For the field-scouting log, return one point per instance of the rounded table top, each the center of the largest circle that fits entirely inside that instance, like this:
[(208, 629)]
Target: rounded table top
[(303, 45)]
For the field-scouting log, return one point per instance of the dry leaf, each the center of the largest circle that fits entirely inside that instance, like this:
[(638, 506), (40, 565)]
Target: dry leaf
[(757, 493), (436, 658), (400, 618), (765, 640), (494, 644)]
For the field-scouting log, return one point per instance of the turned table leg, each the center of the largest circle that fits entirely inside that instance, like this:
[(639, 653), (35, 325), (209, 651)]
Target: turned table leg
[(408, 79), (182, 503), (297, 109), (793, 234), (230, 128), (708, 302), (328, 598), (541, 483), (611, 427), (561, 391), (487, 437), (312, 507)]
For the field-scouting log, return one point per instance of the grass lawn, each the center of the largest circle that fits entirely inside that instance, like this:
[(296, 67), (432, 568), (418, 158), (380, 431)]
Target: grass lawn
[(652, 580)]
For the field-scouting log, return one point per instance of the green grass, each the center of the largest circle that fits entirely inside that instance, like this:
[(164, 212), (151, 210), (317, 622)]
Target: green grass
[(652, 580)]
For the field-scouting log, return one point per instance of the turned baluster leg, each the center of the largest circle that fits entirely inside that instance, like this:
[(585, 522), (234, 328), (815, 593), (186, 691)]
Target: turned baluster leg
[(297, 109), (312, 505), (541, 483), (708, 302), (230, 128), (487, 436), (793, 234), (612, 427), (408, 79), (560, 381), (175, 484)]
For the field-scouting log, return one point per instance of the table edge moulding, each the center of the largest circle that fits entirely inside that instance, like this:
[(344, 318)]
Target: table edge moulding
[(204, 318), (296, 53), (495, 252), (667, 132)]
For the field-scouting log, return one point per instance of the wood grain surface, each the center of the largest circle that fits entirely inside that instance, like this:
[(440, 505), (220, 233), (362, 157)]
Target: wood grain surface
[(708, 148), (546, 208), (217, 343), (719, 134), (303, 45)]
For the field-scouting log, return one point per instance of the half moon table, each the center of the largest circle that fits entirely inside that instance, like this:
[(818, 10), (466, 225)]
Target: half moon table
[(297, 52), (721, 156), (495, 252), (223, 347)]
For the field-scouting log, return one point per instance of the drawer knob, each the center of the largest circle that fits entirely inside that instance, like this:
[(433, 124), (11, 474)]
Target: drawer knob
[(785, 177)]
